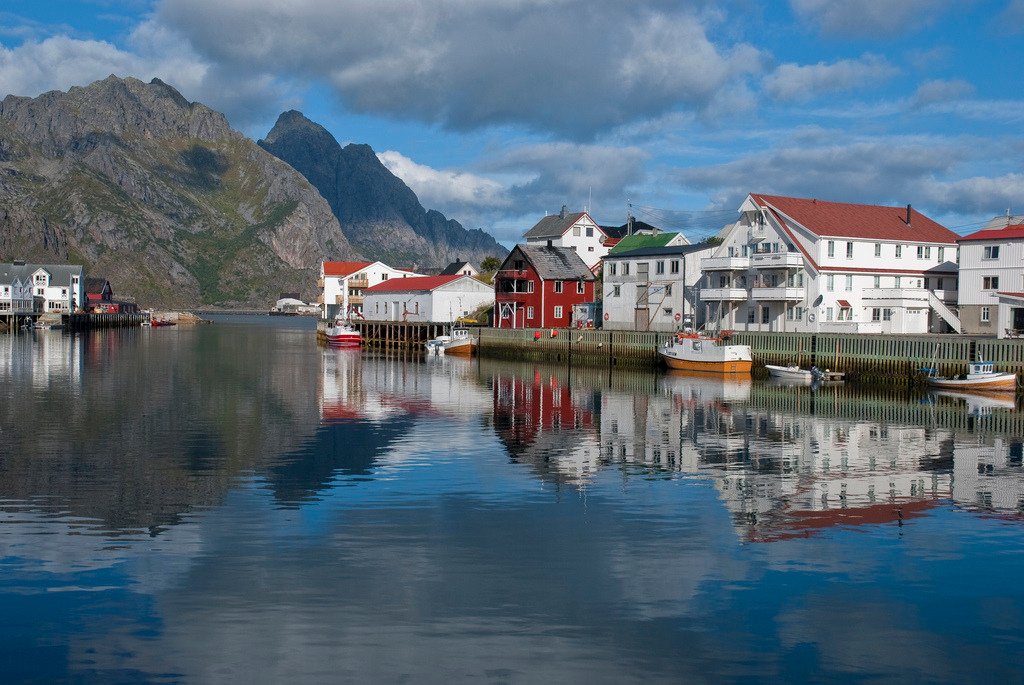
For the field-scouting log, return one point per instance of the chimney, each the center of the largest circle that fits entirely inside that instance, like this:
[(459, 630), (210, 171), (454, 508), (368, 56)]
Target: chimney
[(561, 215), (908, 215), (549, 243)]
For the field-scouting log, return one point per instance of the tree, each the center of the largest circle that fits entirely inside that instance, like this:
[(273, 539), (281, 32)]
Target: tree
[(490, 264)]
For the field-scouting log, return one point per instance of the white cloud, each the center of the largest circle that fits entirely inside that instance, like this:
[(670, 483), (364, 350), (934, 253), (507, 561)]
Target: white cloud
[(796, 82), (940, 91), (575, 67), (449, 191), (868, 18)]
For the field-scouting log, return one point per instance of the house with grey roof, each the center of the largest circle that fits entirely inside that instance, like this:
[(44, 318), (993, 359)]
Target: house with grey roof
[(538, 286), (575, 230), (41, 288), (460, 267)]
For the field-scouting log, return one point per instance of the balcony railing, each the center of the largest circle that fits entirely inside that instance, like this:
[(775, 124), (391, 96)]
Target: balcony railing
[(723, 294), (777, 260), (725, 263), (782, 293), (358, 283)]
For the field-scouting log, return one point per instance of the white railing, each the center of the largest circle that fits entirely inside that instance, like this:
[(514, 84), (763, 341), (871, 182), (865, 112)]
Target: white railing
[(723, 294), (777, 260), (725, 263), (761, 293)]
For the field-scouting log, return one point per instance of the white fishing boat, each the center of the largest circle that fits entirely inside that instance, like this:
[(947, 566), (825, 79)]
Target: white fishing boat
[(794, 374), (981, 376), (459, 342), (693, 352), (341, 333)]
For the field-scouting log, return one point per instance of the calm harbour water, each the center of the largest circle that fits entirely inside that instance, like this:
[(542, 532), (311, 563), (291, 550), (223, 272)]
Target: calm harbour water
[(231, 503)]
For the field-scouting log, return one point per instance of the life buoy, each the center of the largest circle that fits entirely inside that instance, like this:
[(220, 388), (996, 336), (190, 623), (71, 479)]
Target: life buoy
[(678, 316), (606, 316), (810, 317)]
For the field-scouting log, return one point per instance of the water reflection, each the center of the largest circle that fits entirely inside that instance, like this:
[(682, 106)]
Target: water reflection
[(234, 503)]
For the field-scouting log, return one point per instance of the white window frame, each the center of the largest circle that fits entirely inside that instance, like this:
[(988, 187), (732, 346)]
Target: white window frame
[(558, 311)]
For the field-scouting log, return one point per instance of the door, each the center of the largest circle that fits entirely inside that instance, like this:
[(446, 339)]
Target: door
[(1018, 318), (641, 320)]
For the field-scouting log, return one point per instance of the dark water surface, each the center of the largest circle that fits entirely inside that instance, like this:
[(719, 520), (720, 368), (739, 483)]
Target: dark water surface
[(230, 503)]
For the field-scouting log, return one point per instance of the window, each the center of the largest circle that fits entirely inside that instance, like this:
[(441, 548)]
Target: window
[(878, 249), (886, 314), (799, 313), (558, 311), (625, 268), (659, 267), (612, 268), (991, 252), (668, 290), (529, 312), (723, 281), (828, 313), (849, 282), (590, 231), (518, 264), (896, 282), (673, 266), (831, 248), (899, 251), (529, 287), (878, 282), (765, 315), (849, 250), (616, 291), (941, 254), (830, 282), (920, 251), (384, 277), (668, 311), (558, 286), (590, 248), (750, 314), (927, 251), (576, 231), (581, 287), (985, 314), (876, 314), (990, 283), (790, 314)]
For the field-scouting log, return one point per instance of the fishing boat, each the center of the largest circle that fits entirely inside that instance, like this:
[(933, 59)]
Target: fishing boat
[(155, 323), (981, 376), (458, 342), (694, 352), (794, 374), (341, 333)]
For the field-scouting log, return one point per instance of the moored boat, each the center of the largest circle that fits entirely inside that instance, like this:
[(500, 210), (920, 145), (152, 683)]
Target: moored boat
[(693, 352), (981, 376), (341, 333), (458, 342), (794, 374)]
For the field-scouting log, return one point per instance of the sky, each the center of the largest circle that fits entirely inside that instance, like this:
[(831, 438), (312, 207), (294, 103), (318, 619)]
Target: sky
[(497, 112)]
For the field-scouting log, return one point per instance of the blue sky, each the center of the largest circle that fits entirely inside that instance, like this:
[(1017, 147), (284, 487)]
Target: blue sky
[(498, 111)]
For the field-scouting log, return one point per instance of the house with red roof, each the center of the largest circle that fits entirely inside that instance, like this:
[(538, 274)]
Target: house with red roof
[(343, 284), (992, 279), (425, 298), (796, 264)]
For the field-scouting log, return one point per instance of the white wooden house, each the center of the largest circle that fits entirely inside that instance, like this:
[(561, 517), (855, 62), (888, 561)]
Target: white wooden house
[(992, 279), (425, 298), (41, 288), (792, 264), (575, 230), (343, 284)]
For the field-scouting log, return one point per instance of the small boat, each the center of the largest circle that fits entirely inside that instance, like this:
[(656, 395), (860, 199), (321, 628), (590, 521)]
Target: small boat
[(341, 333), (155, 323), (795, 374), (693, 352), (458, 342), (981, 376)]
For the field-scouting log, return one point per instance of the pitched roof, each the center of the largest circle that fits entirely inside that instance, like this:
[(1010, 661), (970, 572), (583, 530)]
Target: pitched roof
[(1008, 233), (845, 220), (554, 263), (554, 226), (59, 273), (657, 251), (95, 284), (343, 268), (456, 268), (624, 230), (413, 284), (637, 242)]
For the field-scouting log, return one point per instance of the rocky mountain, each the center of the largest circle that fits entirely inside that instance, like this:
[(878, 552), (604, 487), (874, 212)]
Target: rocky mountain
[(379, 214), (160, 196)]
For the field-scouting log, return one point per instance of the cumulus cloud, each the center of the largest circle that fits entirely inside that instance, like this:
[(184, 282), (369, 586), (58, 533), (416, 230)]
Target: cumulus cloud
[(575, 67), (452, 192), (801, 82), (1011, 19), (940, 91), (868, 18)]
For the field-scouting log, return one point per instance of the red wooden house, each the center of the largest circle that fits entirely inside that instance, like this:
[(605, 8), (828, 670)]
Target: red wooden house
[(538, 285)]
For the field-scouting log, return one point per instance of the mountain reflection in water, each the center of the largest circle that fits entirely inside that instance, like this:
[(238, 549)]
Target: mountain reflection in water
[(234, 503)]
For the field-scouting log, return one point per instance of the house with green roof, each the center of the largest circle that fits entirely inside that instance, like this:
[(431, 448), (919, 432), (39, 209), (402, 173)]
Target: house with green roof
[(640, 241)]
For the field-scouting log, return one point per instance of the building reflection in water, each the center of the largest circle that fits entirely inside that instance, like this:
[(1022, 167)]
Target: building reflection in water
[(785, 461)]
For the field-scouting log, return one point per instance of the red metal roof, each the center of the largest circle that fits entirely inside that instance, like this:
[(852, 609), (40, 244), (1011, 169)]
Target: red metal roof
[(1018, 295), (869, 222), (845, 304), (343, 268), (1007, 233), (413, 283)]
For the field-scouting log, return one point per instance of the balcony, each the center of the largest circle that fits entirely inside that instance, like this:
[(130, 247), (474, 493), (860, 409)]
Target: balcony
[(777, 260), (358, 283), (756, 233), (777, 294), (725, 264), (723, 294), (355, 299)]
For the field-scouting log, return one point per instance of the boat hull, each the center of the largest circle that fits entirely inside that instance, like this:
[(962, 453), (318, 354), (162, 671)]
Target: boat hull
[(705, 355), (343, 335), (729, 367), (784, 373), (1003, 382)]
